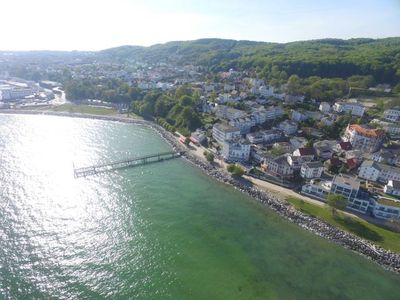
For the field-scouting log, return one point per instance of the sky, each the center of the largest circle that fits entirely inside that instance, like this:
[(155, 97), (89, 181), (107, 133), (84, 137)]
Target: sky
[(101, 24)]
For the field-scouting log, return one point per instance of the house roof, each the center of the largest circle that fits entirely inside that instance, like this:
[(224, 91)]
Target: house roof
[(306, 151), (351, 163), (345, 146), (346, 180), (370, 164), (366, 131), (313, 164)]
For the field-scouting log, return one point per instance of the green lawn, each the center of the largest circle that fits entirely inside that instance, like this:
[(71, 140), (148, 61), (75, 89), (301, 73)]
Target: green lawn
[(379, 235), (84, 109)]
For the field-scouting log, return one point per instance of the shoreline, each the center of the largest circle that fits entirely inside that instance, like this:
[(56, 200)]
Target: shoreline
[(387, 259)]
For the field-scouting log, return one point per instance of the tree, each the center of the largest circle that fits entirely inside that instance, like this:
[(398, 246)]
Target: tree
[(209, 156), (336, 201), (235, 170), (294, 85), (187, 141)]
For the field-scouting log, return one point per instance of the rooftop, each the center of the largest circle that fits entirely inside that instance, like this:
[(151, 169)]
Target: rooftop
[(225, 127), (366, 131), (342, 179), (388, 202)]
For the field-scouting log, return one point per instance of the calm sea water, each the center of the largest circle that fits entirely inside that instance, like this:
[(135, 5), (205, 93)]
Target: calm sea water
[(160, 231)]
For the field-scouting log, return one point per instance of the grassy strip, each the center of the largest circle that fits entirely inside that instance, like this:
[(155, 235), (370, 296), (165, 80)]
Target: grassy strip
[(84, 109), (387, 239)]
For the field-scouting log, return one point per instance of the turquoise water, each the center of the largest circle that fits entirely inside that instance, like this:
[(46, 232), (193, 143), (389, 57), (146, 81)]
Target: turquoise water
[(160, 231)]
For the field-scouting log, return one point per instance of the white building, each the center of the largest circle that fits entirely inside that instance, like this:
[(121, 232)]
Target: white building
[(386, 209), (362, 138), (288, 127), (317, 189), (392, 188), (311, 170), (349, 187), (244, 124), (236, 150), (299, 116), (392, 114), (298, 142), (369, 170), (325, 107), (229, 113), (264, 136), (278, 167), (375, 171), (354, 109), (392, 128), (223, 132)]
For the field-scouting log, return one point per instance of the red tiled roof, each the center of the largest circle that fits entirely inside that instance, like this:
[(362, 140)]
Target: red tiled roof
[(351, 163), (366, 131), (345, 146)]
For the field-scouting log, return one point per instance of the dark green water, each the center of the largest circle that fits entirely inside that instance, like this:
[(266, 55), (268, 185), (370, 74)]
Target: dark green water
[(161, 231)]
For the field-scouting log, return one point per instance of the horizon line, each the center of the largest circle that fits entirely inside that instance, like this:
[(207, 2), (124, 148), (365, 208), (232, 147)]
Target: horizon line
[(199, 39)]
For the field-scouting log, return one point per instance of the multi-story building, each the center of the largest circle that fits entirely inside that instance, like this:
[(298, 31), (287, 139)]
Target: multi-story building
[(223, 132), (384, 208), (362, 138), (349, 187), (244, 124), (311, 170), (375, 171), (317, 189), (278, 167), (324, 107), (392, 187), (392, 114), (354, 109), (288, 127), (236, 150), (265, 136), (229, 113)]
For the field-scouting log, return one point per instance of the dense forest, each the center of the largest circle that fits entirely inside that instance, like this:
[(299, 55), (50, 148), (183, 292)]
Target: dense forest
[(326, 58)]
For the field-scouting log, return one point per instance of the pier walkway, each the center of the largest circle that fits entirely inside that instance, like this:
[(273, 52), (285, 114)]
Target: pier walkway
[(136, 161)]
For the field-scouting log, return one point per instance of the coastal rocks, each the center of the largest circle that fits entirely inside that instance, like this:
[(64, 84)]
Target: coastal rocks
[(385, 258)]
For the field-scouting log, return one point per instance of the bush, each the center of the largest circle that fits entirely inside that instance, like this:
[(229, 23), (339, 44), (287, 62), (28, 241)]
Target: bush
[(209, 156), (235, 170)]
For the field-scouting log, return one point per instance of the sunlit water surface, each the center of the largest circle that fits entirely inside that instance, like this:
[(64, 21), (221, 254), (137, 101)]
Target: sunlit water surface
[(160, 231)]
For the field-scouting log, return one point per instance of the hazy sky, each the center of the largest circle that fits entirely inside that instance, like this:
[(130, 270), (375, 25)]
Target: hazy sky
[(99, 24)]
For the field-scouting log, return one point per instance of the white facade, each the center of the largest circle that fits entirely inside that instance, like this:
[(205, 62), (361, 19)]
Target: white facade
[(229, 113), (392, 188), (223, 132), (324, 107), (368, 140), (244, 124), (374, 171), (288, 127), (392, 115), (354, 109), (369, 170), (236, 150), (386, 209), (319, 190), (311, 170)]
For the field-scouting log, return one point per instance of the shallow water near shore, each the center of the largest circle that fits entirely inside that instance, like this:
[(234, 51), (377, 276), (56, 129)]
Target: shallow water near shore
[(159, 231)]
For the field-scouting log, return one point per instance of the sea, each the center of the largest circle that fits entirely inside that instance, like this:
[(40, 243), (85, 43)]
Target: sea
[(156, 231)]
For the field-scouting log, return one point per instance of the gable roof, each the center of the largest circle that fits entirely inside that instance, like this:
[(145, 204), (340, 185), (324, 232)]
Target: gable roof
[(306, 151), (345, 146)]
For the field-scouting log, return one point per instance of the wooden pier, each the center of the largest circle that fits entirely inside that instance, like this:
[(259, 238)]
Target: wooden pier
[(136, 161)]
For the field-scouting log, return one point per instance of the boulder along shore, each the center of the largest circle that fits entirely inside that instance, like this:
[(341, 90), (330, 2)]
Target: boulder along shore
[(385, 258)]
